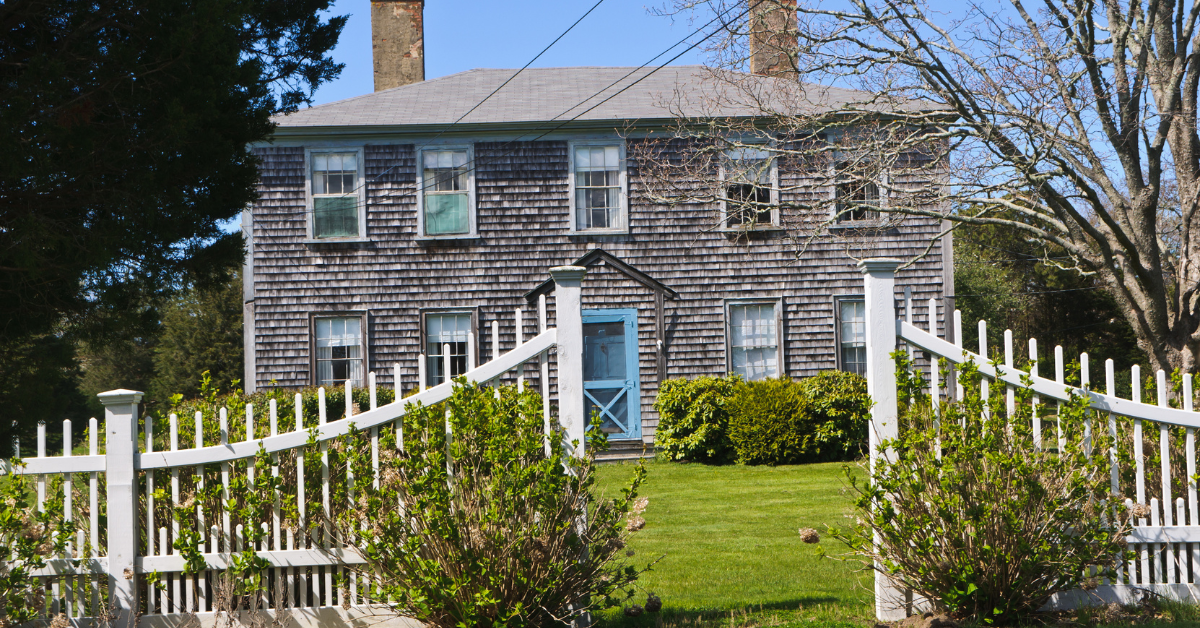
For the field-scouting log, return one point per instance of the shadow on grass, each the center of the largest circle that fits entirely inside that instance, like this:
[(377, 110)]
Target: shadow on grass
[(823, 611)]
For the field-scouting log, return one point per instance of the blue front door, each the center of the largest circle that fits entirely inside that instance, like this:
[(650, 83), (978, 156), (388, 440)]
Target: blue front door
[(610, 371)]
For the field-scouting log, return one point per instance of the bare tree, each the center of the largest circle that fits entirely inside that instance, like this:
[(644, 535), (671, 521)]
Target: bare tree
[(1072, 121)]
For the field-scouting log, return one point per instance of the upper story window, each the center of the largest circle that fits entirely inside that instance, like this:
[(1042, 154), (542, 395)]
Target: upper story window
[(336, 209), (446, 191), (754, 339), (442, 330), (598, 182), (852, 335), (749, 178), (339, 344), (857, 198)]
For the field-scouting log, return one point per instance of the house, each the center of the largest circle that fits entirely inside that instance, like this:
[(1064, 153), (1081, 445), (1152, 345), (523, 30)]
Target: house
[(404, 222)]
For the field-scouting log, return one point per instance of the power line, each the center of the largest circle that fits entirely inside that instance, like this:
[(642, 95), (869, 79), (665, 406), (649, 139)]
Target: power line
[(475, 162), (494, 91)]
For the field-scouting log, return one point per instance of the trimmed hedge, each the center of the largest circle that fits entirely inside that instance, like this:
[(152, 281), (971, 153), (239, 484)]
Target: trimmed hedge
[(819, 419), (717, 420), (693, 420)]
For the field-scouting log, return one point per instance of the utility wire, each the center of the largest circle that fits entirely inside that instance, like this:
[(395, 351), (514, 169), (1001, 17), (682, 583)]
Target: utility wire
[(475, 163)]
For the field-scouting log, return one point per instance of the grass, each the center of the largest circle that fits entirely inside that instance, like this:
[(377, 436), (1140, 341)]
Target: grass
[(731, 555), (730, 550)]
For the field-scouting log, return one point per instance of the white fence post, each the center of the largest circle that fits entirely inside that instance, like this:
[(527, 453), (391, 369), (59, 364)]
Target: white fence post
[(568, 314), (879, 290), (120, 425)]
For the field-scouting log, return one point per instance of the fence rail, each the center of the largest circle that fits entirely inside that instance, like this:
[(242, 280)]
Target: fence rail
[(1165, 533), (131, 573)]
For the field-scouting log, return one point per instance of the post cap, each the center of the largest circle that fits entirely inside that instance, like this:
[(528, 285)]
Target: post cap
[(120, 396), (879, 265), (569, 276)]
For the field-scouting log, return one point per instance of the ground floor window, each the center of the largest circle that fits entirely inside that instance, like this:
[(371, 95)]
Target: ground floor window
[(442, 329), (852, 335), (753, 339), (339, 345)]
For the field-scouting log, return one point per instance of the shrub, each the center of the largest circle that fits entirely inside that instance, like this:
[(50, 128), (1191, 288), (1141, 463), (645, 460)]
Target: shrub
[(693, 420), (972, 515), (27, 537), (491, 531), (766, 422), (819, 419)]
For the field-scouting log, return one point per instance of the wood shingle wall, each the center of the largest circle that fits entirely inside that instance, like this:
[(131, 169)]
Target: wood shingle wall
[(523, 214)]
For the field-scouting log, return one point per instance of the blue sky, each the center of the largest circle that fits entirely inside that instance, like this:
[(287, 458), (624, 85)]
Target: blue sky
[(465, 34)]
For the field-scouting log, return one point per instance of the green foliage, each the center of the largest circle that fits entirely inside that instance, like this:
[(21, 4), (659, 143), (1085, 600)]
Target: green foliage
[(718, 420), (1014, 282), (818, 419), (201, 331), (966, 507), (693, 419), (27, 537), (37, 384), (491, 531)]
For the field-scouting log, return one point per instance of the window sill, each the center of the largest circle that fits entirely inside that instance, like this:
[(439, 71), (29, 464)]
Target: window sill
[(598, 232), (342, 241), (465, 239), (755, 228), (856, 224)]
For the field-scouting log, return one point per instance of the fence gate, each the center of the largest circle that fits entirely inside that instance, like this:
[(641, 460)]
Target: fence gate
[(130, 573), (1165, 535)]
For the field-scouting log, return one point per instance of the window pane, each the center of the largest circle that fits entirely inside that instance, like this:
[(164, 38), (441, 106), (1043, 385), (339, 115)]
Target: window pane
[(597, 187), (852, 336), (446, 213), (604, 351), (753, 340), (339, 351), (335, 216), (442, 330)]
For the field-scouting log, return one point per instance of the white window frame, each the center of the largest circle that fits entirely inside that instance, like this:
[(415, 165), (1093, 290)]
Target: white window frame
[(837, 325), (623, 179), (774, 176), (360, 190), (473, 332), (780, 345), (838, 222), (312, 339), (472, 211)]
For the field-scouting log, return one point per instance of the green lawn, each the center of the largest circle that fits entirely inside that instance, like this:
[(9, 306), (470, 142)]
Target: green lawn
[(731, 554)]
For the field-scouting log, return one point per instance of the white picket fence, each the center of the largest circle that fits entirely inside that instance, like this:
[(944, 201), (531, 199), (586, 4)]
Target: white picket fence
[(1166, 540), (106, 582)]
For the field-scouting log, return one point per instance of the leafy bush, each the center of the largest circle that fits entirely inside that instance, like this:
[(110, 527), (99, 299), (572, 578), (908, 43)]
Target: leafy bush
[(491, 531), (27, 537), (718, 420), (693, 420), (819, 419), (972, 514)]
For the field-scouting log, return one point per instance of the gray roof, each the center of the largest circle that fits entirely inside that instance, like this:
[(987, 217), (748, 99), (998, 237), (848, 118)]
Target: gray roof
[(589, 94)]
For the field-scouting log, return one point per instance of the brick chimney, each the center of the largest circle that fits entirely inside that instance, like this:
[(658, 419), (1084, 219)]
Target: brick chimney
[(398, 42), (773, 37)]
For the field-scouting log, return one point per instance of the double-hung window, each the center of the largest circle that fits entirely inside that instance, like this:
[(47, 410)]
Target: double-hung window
[(753, 338), (339, 345), (857, 196), (750, 194), (852, 335), (598, 182), (336, 199), (446, 192), (444, 330)]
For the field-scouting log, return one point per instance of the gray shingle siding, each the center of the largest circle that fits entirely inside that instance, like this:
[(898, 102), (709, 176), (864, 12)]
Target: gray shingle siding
[(523, 214)]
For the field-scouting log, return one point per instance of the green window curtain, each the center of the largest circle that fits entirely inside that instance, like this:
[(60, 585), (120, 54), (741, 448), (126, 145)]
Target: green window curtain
[(335, 216), (446, 214)]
